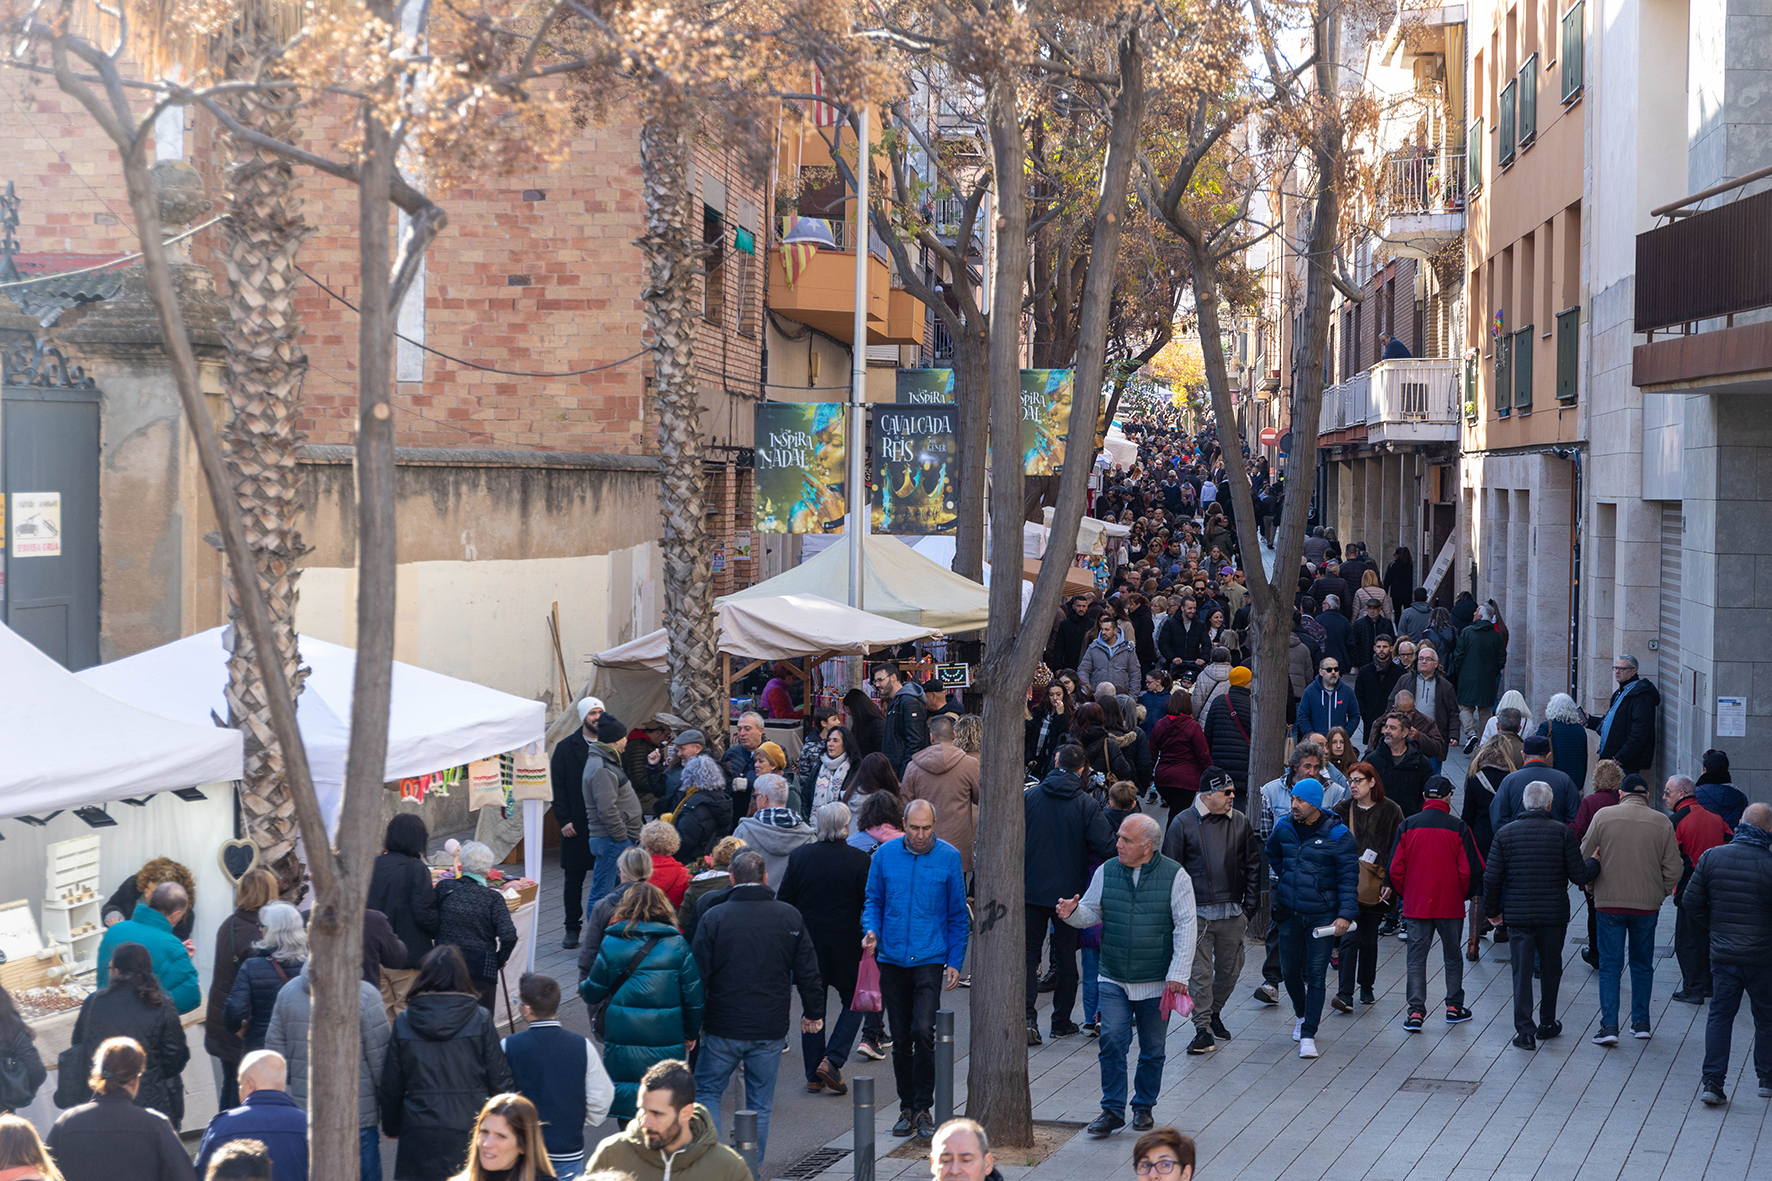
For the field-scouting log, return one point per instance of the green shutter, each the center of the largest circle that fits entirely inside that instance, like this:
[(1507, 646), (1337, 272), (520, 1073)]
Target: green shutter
[(1505, 153), (1474, 148), (1568, 353), (1504, 374), (1528, 101), (1522, 363), (1574, 41)]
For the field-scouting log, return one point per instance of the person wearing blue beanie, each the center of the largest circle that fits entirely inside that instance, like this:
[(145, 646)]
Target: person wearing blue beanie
[(1316, 884)]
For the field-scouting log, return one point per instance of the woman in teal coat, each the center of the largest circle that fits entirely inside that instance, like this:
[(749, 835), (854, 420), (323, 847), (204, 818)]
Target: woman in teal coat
[(646, 972)]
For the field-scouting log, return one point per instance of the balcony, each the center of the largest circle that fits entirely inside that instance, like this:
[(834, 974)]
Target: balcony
[(1411, 401), (1695, 276), (1421, 202), (823, 297)]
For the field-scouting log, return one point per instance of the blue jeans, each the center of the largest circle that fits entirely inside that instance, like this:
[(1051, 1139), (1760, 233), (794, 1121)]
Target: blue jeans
[(1612, 931), (565, 1170), (369, 1153), (718, 1057), (603, 873), (1728, 982), (1304, 960), (1091, 983), (1117, 1017)]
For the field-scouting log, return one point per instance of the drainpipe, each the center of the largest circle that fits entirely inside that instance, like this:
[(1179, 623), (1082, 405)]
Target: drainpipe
[(1574, 457)]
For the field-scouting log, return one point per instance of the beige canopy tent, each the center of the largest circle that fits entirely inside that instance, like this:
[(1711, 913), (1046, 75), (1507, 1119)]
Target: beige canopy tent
[(898, 583), (632, 679)]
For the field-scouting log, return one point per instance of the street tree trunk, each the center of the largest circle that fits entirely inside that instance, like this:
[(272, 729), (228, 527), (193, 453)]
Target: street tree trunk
[(263, 384), (997, 1071), (972, 372), (696, 692)]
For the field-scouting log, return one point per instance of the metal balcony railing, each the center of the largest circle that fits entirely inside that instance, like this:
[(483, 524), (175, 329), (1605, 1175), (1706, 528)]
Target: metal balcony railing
[(1706, 266), (1422, 181), (1415, 390)]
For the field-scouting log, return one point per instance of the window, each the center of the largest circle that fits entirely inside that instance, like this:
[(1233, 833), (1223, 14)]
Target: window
[(1573, 42), (1473, 154), (744, 281), (1522, 363), (1505, 125), (713, 291), (1568, 353), (1528, 101), (1504, 374), (1470, 387)]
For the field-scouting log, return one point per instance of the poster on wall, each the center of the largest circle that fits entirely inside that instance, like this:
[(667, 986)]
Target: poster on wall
[(36, 524), (800, 467), (1045, 419), (922, 387), (915, 468)]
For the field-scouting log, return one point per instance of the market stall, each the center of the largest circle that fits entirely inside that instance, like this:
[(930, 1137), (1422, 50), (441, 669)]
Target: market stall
[(92, 787), (436, 725), (897, 583)]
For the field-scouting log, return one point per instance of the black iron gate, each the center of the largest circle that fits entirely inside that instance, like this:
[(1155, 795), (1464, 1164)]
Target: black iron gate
[(49, 465)]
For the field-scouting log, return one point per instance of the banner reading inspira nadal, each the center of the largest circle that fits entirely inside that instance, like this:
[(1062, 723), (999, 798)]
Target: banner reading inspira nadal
[(1045, 419), (800, 468), (915, 462), (925, 386)]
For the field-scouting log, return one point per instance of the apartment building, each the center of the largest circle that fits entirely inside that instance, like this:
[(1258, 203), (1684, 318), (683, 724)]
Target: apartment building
[(1388, 433), (1677, 572), (1525, 413), (528, 470)]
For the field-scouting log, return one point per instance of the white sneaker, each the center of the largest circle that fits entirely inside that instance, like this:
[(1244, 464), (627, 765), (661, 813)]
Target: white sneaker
[(1307, 1048), (1298, 1029)]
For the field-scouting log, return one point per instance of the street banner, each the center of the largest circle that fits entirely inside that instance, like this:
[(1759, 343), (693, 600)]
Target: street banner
[(915, 468), (1045, 419), (924, 386), (800, 467)]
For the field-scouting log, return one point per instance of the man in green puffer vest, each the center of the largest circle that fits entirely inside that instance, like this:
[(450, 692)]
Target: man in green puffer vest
[(1145, 903)]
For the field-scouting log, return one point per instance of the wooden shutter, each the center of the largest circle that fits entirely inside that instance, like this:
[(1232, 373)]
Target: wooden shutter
[(1568, 353)]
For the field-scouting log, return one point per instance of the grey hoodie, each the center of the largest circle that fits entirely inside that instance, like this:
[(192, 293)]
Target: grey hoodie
[(612, 810), (774, 842)]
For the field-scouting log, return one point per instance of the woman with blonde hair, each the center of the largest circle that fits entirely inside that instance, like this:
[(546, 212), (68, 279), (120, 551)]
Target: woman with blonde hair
[(1371, 592), (22, 1155), (507, 1143), (135, 890), (234, 942), (652, 990), (1512, 699), (717, 876), (278, 958), (660, 839), (93, 1141)]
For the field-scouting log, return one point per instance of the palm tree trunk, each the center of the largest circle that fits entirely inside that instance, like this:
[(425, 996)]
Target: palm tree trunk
[(696, 692), (262, 384)]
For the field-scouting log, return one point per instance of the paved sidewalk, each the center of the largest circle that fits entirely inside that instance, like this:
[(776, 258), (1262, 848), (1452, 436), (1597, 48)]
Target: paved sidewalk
[(1382, 1103)]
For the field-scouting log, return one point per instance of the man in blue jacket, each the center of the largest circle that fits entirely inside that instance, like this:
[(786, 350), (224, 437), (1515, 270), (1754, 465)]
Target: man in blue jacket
[(916, 921), (266, 1114), (1327, 702), (151, 926), (1316, 884)]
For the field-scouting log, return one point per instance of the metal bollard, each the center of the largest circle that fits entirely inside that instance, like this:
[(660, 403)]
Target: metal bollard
[(944, 1066), (744, 1139), (862, 1087)]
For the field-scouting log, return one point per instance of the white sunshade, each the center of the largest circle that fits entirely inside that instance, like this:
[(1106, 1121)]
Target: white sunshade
[(434, 721), (67, 744), (898, 583), (777, 627)]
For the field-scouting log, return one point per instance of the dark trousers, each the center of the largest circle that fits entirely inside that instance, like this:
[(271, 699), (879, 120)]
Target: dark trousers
[(574, 897), (1064, 962), (1359, 952), (1270, 963), (1692, 948), (911, 996), (1304, 962), (1540, 947), (1729, 982)]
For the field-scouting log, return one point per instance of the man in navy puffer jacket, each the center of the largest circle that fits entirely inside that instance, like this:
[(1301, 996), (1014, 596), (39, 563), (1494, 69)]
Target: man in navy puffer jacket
[(1316, 883)]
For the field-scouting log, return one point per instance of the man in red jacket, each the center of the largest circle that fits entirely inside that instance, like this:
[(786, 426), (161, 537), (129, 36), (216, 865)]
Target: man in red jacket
[(1435, 868), (1697, 829)]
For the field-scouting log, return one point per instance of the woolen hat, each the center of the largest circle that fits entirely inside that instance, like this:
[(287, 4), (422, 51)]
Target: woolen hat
[(1216, 779), (610, 728), (586, 706), (1310, 791), (1537, 744), (1241, 676), (773, 752)]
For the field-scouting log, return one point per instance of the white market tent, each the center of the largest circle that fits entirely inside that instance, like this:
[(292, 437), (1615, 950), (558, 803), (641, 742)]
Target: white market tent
[(66, 744), (434, 721), (897, 582), (1120, 450), (779, 627)]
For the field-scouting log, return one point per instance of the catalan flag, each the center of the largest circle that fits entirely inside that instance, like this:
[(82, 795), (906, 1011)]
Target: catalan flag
[(796, 257)]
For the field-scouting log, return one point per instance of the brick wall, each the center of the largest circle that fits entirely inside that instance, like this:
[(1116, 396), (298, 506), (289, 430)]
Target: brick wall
[(536, 272)]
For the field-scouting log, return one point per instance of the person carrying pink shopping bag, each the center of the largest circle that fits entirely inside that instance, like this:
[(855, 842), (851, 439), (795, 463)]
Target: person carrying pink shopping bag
[(1147, 954)]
